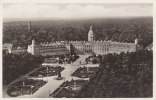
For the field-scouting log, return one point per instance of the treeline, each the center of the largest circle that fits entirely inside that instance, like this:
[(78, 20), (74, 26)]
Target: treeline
[(115, 29), (15, 66), (123, 75)]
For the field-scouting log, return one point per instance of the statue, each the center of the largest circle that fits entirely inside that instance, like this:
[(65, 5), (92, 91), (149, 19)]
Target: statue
[(59, 76)]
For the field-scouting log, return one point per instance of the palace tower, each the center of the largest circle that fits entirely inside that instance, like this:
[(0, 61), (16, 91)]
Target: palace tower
[(91, 34)]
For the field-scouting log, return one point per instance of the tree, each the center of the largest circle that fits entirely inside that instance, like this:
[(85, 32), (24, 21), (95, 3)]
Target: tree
[(94, 61), (100, 58), (17, 65), (126, 30)]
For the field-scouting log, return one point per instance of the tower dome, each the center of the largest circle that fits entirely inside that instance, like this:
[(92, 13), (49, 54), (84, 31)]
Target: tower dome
[(91, 34)]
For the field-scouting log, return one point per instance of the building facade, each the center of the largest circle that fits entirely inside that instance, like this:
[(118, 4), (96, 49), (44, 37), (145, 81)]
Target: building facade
[(82, 47), (101, 47), (45, 49)]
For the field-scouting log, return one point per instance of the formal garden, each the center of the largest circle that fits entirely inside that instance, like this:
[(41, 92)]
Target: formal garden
[(47, 71), (68, 89), (25, 87), (85, 72)]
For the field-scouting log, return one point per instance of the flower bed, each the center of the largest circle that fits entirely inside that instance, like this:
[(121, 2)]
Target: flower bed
[(69, 89), (47, 71), (85, 72), (24, 87)]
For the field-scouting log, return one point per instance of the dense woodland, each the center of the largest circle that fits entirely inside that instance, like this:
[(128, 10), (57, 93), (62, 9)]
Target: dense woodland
[(122, 75), (15, 66), (115, 29)]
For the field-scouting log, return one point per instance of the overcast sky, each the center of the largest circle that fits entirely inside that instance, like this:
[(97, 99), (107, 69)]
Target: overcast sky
[(75, 10)]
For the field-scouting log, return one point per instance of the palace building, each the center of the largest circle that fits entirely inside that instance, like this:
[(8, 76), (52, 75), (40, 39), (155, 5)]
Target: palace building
[(78, 47), (44, 49), (81, 47)]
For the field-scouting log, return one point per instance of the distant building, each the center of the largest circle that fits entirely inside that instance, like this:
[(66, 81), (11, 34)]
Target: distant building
[(10, 48), (17, 50), (78, 47), (6, 47)]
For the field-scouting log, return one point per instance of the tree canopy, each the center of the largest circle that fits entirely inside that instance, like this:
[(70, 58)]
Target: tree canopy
[(117, 29), (16, 65), (123, 75)]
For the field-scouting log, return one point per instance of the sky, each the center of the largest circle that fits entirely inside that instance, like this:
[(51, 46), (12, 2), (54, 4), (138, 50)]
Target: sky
[(75, 11)]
